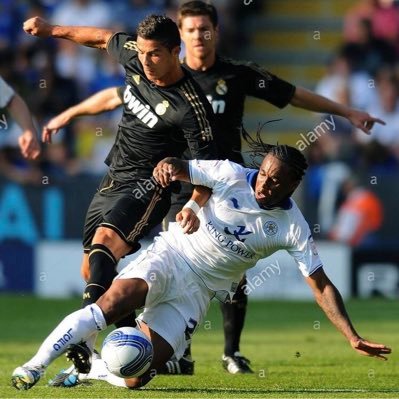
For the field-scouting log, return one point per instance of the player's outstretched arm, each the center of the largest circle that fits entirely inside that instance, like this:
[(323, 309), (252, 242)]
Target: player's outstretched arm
[(102, 101), (28, 142), (330, 300), (171, 169), (311, 101), (84, 35)]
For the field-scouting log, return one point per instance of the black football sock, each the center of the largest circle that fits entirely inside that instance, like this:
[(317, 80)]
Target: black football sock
[(187, 352), (102, 271), (233, 320)]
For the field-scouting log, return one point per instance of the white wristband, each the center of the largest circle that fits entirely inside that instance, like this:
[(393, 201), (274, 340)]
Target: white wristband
[(193, 206)]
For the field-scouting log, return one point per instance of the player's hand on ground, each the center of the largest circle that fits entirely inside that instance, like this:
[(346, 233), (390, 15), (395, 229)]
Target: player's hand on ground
[(53, 126), (188, 220), (37, 26), (29, 145), (368, 348), (164, 173), (363, 120)]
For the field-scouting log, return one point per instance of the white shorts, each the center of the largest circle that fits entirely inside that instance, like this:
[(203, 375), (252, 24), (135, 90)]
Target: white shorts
[(177, 300)]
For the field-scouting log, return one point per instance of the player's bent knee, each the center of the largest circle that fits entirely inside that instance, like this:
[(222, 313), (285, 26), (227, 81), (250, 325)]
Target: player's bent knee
[(133, 383), (105, 234), (137, 382), (112, 241)]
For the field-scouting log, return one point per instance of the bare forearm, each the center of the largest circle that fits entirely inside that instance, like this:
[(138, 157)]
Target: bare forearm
[(21, 114), (84, 35), (105, 100), (311, 101), (330, 300), (201, 195)]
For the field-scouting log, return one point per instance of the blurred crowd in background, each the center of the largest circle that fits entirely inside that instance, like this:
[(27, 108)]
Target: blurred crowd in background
[(53, 75), (362, 73)]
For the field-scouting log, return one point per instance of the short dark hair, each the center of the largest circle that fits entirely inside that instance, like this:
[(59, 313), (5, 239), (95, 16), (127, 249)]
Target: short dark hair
[(161, 29), (195, 8)]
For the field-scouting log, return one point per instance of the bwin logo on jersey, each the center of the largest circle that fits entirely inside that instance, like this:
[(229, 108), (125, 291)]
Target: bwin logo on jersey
[(237, 233), (218, 106), (139, 109)]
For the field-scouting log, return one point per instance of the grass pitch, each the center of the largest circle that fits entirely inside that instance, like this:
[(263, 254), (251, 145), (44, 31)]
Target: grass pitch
[(294, 350)]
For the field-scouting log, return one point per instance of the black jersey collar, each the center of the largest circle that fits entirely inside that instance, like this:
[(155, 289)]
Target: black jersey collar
[(215, 64)]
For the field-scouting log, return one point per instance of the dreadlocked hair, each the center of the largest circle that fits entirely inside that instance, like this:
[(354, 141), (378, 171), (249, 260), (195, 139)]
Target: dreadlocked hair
[(292, 157), (285, 153)]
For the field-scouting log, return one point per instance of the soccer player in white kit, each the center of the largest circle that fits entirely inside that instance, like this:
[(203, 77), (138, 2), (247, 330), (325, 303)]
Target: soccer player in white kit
[(249, 216)]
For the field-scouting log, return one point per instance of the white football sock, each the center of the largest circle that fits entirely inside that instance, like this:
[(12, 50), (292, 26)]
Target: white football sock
[(76, 327), (91, 341), (99, 371)]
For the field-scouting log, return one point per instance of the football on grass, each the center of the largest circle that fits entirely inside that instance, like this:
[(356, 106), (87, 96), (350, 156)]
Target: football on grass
[(127, 352)]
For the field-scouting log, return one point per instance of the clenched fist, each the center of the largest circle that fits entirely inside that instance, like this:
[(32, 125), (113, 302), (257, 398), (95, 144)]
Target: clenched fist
[(188, 221), (37, 26)]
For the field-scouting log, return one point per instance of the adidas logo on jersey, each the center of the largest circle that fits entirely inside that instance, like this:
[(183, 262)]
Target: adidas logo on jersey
[(139, 109), (130, 45)]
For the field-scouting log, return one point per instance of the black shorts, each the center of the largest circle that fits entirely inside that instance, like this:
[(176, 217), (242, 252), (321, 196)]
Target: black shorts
[(130, 209)]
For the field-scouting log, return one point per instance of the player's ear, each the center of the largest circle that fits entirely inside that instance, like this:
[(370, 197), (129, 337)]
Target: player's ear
[(176, 51)]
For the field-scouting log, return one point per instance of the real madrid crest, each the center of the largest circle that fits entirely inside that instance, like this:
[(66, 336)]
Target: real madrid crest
[(221, 87), (160, 108), (270, 228)]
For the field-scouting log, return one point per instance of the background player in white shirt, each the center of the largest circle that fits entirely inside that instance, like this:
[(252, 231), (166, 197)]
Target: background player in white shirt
[(16, 106), (250, 215)]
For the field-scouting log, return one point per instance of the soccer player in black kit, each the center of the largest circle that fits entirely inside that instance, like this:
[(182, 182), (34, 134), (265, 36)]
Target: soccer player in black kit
[(164, 112), (226, 84)]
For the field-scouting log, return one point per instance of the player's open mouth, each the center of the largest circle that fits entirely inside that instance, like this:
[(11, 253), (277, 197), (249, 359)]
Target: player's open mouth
[(260, 196)]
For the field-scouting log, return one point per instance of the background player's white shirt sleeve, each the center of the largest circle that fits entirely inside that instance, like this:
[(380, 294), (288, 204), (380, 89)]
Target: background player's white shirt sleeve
[(213, 173), (303, 249), (6, 93)]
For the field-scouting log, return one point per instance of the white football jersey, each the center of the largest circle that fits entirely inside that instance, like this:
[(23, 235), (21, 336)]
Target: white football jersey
[(235, 232)]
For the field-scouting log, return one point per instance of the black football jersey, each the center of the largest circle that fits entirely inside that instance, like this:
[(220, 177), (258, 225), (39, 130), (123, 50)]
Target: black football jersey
[(157, 121), (226, 84)]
